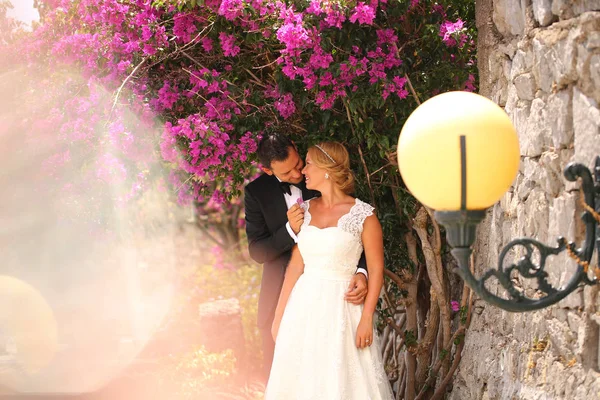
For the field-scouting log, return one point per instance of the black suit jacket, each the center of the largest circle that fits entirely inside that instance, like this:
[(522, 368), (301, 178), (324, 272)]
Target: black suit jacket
[(269, 242)]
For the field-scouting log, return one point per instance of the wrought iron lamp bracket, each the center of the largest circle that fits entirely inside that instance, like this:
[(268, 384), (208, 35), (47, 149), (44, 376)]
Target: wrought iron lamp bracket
[(460, 231)]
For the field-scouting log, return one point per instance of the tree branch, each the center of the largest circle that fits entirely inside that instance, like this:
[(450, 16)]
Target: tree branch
[(433, 375), (441, 389), (125, 82), (394, 277), (412, 89), (429, 339), (364, 164), (433, 263)]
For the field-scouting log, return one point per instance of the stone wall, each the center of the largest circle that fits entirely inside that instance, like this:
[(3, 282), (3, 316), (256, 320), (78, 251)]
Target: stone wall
[(540, 60)]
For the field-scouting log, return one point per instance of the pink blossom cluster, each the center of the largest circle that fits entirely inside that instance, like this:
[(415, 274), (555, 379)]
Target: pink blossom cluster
[(231, 9), (469, 85), (363, 13), (230, 49), (452, 33), (107, 42), (304, 57), (455, 305), (284, 103), (179, 70), (89, 145), (112, 35)]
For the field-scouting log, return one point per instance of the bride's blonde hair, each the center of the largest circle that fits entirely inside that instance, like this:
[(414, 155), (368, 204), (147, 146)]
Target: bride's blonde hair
[(335, 160)]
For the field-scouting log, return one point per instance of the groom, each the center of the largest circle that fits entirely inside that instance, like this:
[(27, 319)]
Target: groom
[(273, 220)]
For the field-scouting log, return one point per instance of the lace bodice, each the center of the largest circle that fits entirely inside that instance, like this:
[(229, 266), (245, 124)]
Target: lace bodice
[(334, 251)]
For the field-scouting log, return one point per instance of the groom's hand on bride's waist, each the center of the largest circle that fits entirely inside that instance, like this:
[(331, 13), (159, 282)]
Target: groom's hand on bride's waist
[(357, 289)]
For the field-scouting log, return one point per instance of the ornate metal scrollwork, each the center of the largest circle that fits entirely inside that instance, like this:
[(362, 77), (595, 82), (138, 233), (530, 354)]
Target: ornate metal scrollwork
[(460, 228)]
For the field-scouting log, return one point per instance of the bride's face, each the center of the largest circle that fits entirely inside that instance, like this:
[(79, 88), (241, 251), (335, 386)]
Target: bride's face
[(313, 175)]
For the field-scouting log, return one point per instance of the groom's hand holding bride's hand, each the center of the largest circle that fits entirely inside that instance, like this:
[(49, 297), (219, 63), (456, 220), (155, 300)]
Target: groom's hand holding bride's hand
[(357, 289)]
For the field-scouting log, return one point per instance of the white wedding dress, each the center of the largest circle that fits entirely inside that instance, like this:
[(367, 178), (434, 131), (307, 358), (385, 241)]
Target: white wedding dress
[(316, 355)]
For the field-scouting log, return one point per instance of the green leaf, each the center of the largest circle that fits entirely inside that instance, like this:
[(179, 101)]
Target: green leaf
[(385, 141), (370, 141), (325, 118), (369, 125)]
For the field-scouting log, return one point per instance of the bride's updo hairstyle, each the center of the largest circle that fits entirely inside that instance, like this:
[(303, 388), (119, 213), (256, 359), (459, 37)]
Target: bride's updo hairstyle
[(334, 159)]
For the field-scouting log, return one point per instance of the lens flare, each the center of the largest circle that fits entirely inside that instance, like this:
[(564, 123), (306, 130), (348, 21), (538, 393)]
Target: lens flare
[(28, 329), (86, 235)]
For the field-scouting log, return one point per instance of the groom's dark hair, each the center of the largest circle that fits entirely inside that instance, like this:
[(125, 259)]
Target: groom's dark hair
[(273, 147)]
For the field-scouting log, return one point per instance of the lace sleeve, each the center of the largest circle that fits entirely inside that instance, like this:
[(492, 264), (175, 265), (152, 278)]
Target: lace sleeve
[(353, 221)]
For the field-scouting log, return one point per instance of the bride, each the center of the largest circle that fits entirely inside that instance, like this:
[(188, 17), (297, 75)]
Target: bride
[(325, 347)]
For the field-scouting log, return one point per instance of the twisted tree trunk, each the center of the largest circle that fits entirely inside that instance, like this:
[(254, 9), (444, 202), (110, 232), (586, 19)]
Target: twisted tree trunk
[(433, 260)]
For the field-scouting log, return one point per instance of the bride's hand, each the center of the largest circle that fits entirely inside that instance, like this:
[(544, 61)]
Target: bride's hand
[(364, 332)]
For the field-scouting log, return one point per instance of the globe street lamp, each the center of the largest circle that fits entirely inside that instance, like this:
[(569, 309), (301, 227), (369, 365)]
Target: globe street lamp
[(458, 153)]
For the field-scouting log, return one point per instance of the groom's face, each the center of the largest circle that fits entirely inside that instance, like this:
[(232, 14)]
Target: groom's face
[(288, 170)]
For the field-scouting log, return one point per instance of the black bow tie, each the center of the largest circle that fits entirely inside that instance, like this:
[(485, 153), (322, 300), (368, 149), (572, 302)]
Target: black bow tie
[(285, 187)]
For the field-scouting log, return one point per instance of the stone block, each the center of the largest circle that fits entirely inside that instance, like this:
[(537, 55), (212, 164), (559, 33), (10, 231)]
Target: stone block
[(508, 48), (534, 323), (542, 11), (579, 328), (522, 62), (551, 181), (569, 387), (561, 337), (509, 17), (559, 313), (559, 118), (574, 300), (518, 228), (564, 213), (594, 68), (561, 8), (221, 327), (575, 322), (536, 215), (586, 127), (532, 173), (507, 231), (530, 143), (512, 99), (593, 40), (524, 190), (587, 388), (580, 6), (500, 76), (554, 58), (558, 385), (537, 137), (526, 87), (542, 69), (495, 66), (505, 201), (588, 69)]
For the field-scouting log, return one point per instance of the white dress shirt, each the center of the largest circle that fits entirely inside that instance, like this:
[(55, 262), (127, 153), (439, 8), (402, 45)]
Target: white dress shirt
[(290, 200)]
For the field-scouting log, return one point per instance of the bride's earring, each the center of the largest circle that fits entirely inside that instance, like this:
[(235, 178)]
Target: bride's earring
[(326, 175)]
